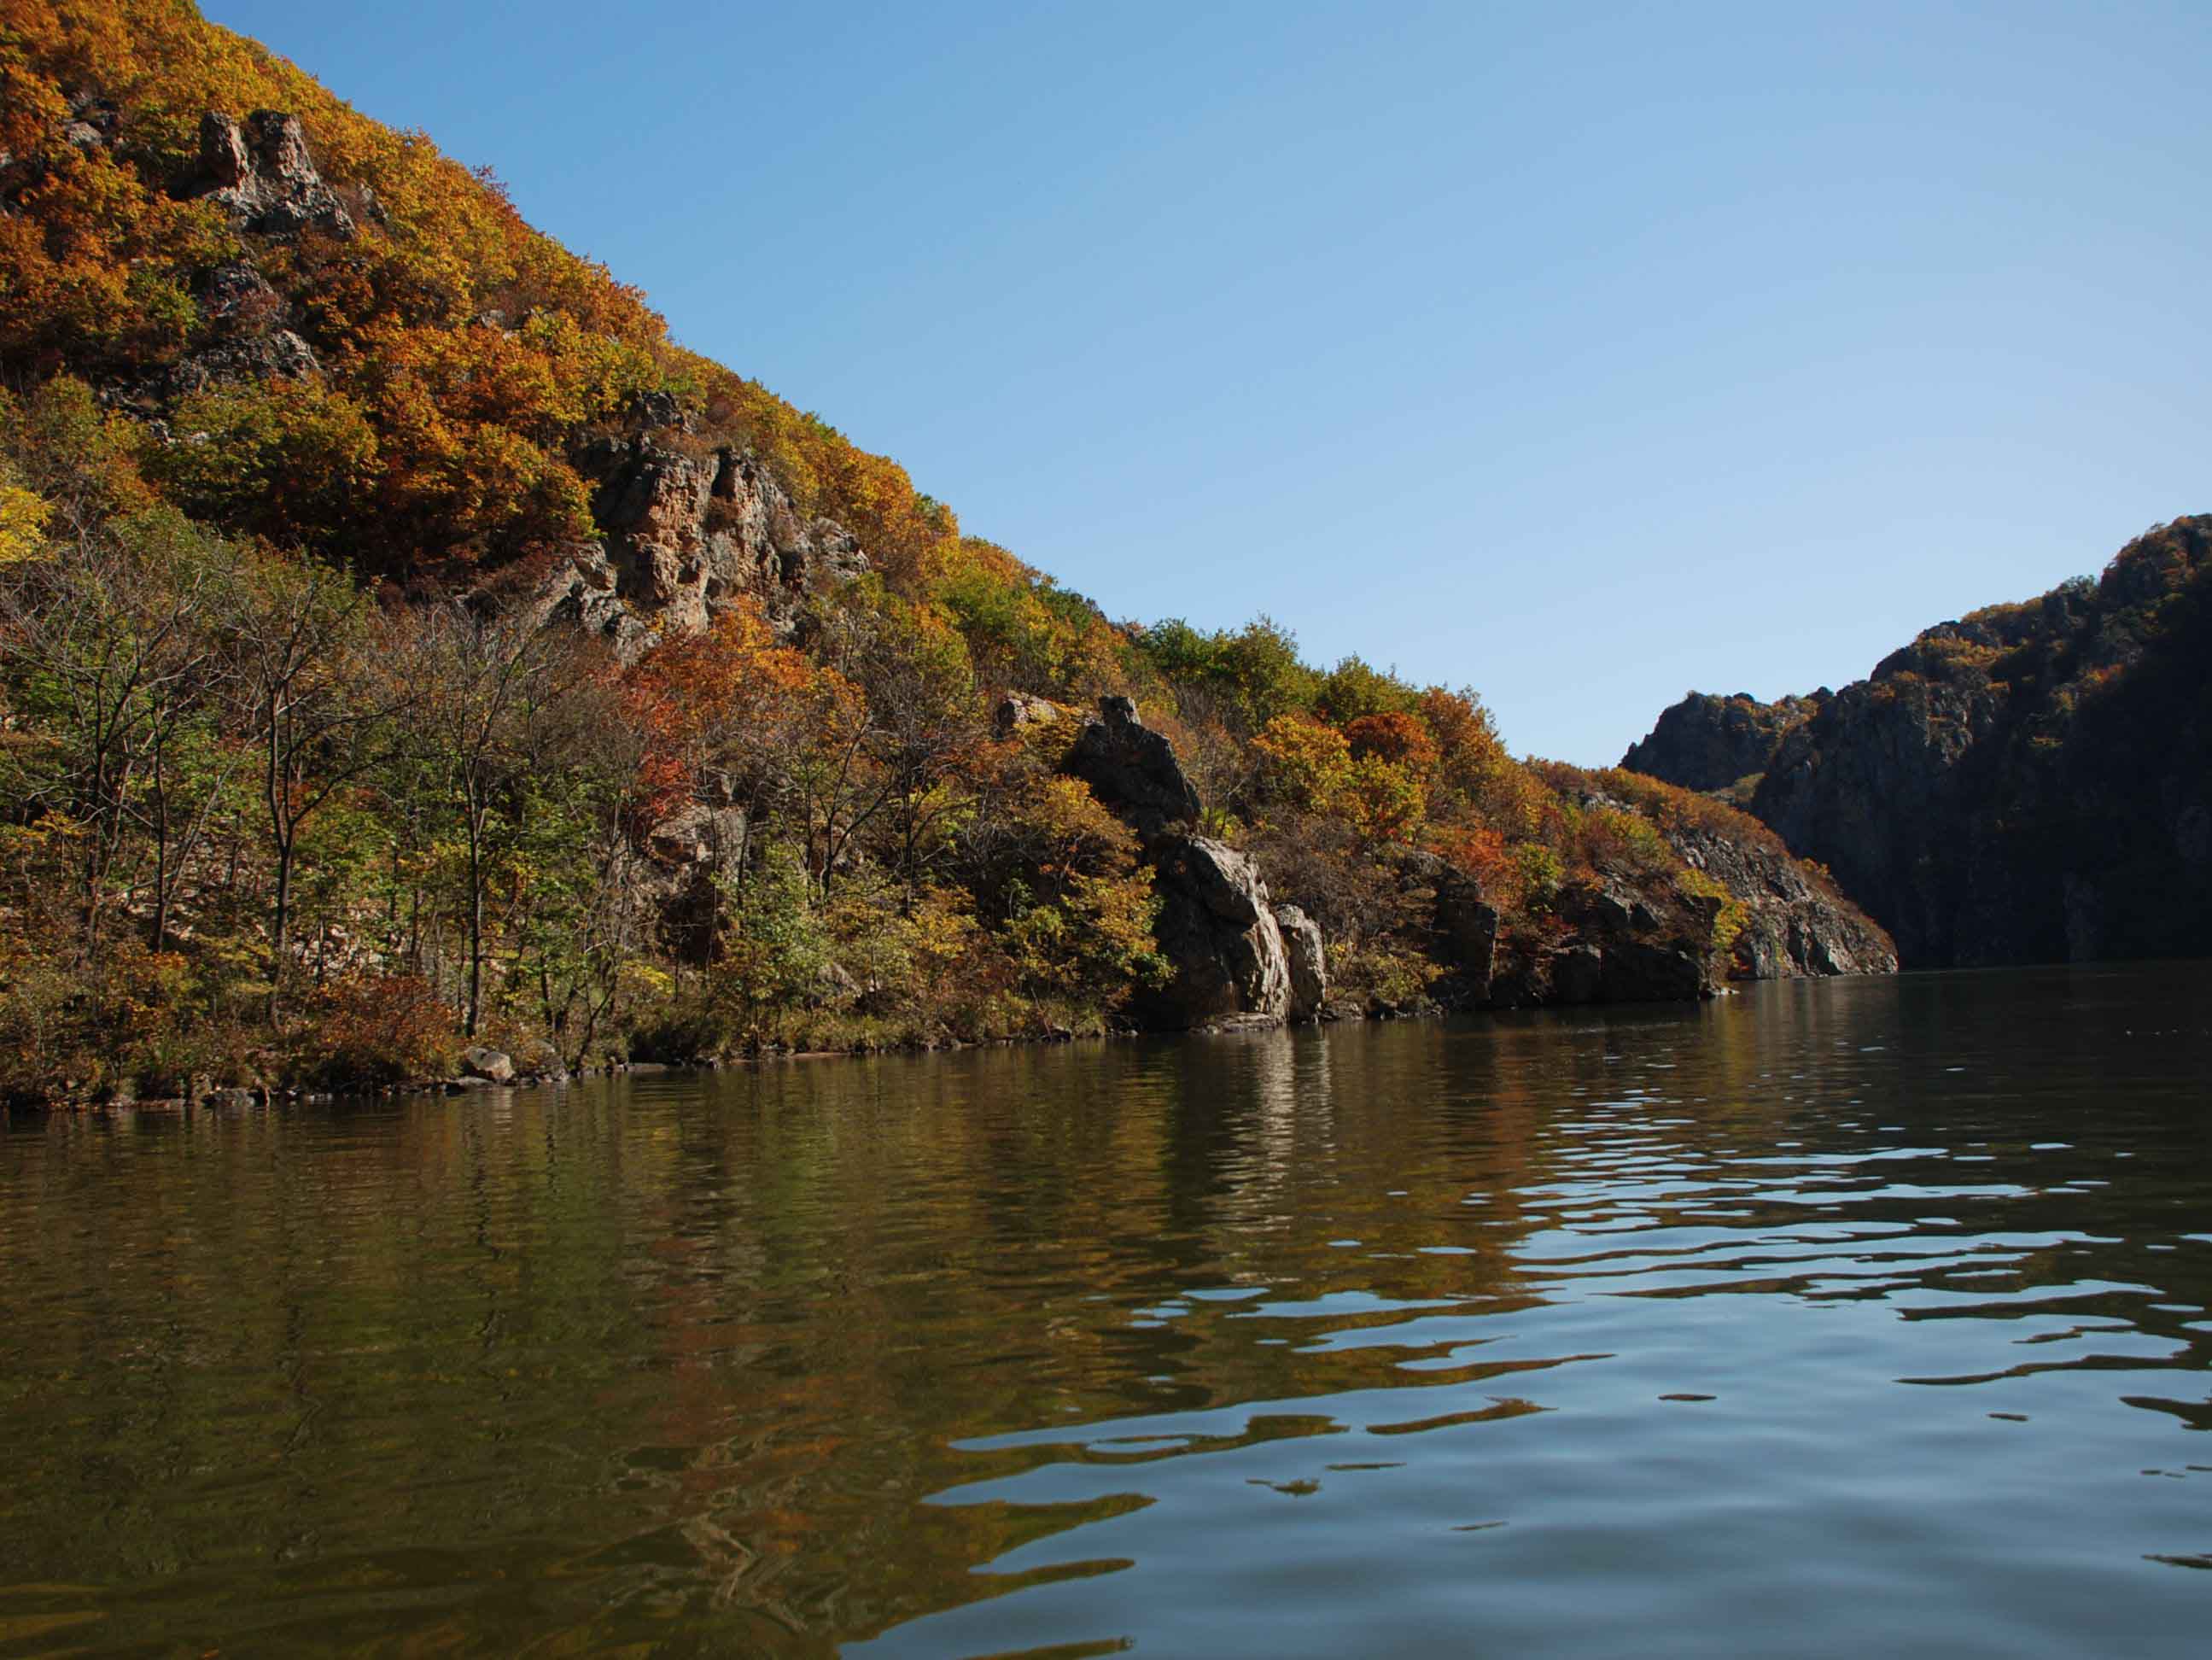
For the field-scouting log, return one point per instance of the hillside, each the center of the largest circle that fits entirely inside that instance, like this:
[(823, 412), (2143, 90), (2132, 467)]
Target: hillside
[(2030, 783), (407, 651)]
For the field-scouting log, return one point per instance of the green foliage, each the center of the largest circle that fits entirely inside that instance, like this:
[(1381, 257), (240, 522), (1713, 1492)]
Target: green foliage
[(1540, 871), (1252, 675), (289, 459), (1352, 691)]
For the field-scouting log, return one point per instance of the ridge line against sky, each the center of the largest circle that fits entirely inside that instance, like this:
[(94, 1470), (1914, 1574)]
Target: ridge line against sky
[(1581, 357)]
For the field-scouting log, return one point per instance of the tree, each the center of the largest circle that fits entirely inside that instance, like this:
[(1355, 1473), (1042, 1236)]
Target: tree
[(318, 704), (479, 686), (925, 729), (111, 643)]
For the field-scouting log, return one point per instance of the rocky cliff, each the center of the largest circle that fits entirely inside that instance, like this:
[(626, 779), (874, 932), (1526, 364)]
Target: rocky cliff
[(1227, 955), (1709, 742), (1696, 895), (2030, 783), (685, 529), (1774, 916)]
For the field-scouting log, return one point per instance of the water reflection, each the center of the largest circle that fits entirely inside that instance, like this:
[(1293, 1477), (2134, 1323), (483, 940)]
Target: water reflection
[(1863, 1316)]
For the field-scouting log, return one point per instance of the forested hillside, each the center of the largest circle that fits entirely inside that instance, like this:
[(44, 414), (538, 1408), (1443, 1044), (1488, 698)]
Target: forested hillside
[(407, 649), (2032, 783)]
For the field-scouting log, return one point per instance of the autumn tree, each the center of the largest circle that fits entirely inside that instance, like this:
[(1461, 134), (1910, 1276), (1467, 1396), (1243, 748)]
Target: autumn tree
[(480, 687), (317, 702)]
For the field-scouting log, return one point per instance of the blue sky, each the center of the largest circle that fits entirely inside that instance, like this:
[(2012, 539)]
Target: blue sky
[(1580, 354)]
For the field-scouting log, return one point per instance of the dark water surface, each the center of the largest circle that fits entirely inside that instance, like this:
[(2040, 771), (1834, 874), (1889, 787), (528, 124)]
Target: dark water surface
[(1862, 1317)]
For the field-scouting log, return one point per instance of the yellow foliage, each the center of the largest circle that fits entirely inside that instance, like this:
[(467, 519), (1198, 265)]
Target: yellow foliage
[(22, 524)]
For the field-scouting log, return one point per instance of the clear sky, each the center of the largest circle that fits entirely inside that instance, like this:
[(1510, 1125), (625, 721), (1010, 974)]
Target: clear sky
[(1582, 354)]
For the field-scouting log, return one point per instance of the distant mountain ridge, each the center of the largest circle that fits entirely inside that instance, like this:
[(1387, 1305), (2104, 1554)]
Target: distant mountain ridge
[(2030, 783)]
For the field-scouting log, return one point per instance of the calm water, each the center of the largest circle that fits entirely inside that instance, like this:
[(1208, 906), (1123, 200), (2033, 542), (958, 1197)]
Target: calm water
[(1865, 1317)]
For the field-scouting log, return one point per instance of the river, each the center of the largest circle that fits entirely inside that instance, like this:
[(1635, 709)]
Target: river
[(1860, 1317)]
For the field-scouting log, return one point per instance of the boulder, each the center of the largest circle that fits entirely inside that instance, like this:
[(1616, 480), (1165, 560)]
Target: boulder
[(1017, 711), (1133, 769), (480, 1061), (1219, 937), (1308, 967)]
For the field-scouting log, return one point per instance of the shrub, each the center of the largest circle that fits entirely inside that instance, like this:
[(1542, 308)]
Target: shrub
[(378, 1029)]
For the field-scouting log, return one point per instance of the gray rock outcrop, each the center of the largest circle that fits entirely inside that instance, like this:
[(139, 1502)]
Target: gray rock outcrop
[(1307, 964), (1019, 711), (1792, 928), (686, 532), (1709, 742), (1133, 769), (260, 173), (1219, 937), (1626, 945), (1229, 962)]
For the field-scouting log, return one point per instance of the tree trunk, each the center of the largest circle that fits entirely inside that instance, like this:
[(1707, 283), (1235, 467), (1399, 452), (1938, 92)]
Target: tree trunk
[(476, 912)]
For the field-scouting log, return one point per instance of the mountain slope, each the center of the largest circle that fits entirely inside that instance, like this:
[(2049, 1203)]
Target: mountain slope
[(2030, 783), (403, 646)]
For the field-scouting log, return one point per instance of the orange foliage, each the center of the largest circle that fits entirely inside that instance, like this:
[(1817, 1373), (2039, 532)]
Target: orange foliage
[(733, 698), (383, 1028), (1478, 849), (1398, 738)]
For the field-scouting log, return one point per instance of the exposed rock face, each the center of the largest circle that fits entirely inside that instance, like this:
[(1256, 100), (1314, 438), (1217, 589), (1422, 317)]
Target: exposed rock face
[(244, 337), (1709, 742), (2033, 783), (1133, 769), (579, 591), (1464, 922), (686, 533), (1792, 928), (1793, 923), (687, 856), (1882, 788), (1215, 927), (278, 354), (261, 175), (1630, 950), (1218, 933), (1309, 965)]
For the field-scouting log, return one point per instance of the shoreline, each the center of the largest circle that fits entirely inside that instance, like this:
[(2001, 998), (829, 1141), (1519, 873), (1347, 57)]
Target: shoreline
[(266, 1097)]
